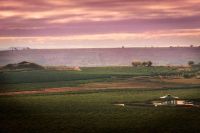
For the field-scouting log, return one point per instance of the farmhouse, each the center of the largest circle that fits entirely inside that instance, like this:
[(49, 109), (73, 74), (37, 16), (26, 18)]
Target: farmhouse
[(169, 100)]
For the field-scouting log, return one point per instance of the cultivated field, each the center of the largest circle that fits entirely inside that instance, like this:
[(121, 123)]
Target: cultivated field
[(82, 101)]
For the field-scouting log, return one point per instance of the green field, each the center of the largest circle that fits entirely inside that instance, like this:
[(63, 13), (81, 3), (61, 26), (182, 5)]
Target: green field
[(93, 110), (37, 79)]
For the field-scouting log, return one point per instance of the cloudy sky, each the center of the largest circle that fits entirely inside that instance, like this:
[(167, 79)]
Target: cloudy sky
[(99, 23)]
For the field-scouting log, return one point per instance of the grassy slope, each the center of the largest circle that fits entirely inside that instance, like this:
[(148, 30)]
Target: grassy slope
[(93, 112)]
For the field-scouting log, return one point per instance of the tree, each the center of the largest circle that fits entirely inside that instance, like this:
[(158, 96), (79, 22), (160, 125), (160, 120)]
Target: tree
[(149, 63), (136, 63), (190, 63), (144, 64)]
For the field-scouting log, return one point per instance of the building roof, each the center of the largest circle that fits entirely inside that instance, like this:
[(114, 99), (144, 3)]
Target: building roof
[(168, 96)]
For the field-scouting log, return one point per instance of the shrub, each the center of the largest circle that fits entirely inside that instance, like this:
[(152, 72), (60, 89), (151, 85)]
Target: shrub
[(190, 63), (136, 63), (145, 63), (188, 75)]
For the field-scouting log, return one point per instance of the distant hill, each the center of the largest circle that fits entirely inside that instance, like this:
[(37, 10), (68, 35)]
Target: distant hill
[(24, 65), (102, 56), (19, 48)]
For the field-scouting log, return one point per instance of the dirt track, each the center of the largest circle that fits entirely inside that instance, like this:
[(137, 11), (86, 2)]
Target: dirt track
[(89, 86), (43, 91), (132, 84), (67, 89), (56, 90)]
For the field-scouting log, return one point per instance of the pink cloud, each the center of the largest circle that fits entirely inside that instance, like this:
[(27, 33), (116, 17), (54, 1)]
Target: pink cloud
[(89, 17)]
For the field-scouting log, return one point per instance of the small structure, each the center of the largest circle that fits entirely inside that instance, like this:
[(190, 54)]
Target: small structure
[(169, 100)]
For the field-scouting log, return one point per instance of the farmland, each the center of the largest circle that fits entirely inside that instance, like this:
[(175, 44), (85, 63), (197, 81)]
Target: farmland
[(38, 79), (91, 109)]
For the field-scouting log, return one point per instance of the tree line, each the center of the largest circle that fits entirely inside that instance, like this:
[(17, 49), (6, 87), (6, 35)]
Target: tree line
[(144, 63)]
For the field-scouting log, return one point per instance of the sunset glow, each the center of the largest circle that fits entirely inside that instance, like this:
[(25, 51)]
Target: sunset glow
[(95, 23)]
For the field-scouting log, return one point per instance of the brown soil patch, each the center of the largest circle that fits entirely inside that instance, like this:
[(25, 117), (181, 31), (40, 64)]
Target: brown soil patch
[(92, 86), (43, 91), (154, 83), (120, 85), (183, 81), (131, 83)]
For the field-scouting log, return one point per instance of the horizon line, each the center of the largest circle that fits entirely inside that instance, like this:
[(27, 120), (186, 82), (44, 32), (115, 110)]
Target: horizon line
[(122, 47)]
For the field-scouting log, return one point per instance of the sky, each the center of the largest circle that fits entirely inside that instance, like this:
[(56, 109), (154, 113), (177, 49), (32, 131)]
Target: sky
[(99, 23)]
